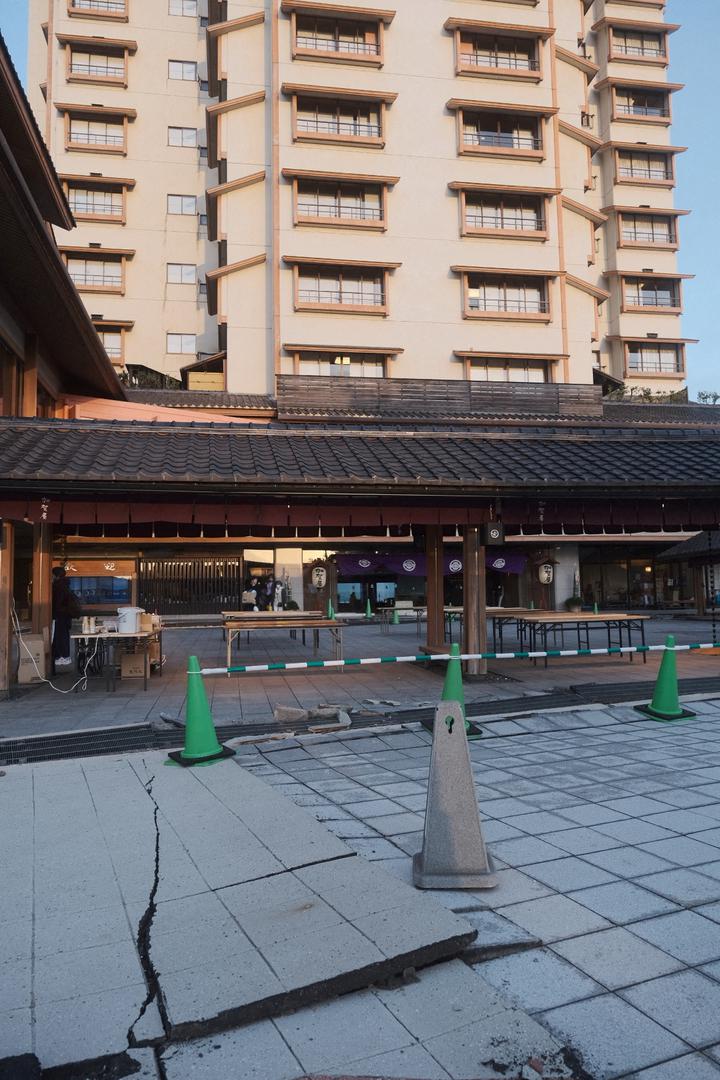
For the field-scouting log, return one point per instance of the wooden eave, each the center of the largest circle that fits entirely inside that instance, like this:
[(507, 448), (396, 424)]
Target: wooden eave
[(213, 194), (213, 276), (635, 24), (352, 350), (473, 354), (502, 189), (340, 92), (315, 174), (646, 210), (596, 216), (580, 135), (501, 107), (306, 260), (95, 110), (651, 148), (216, 30), (638, 84), (575, 60), (649, 274), (122, 324), (653, 340), (493, 271), (310, 7), (586, 287), (476, 26), (94, 42), (89, 178), (125, 253)]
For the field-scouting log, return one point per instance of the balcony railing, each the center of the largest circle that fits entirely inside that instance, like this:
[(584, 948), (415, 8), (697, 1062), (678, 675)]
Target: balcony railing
[(109, 71), (643, 236), (505, 140), (338, 297), (114, 352), (89, 138), (340, 211), (493, 60), (638, 50), (355, 128), (520, 306), (478, 219), (632, 109), (644, 173), (87, 206), (337, 45), (652, 299), (89, 277), (115, 7), (661, 366)]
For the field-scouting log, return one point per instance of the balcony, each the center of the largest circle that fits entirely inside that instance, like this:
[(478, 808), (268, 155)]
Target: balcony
[(339, 211), (643, 106), (647, 51), (652, 293), (505, 140), (348, 294), (500, 131), (336, 125), (515, 305), (100, 278), (644, 172), (499, 61), (337, 45), (330, 32), (506, 295), (83, 205), (338, 115), (660, 359), (334, 285), (109, 9)]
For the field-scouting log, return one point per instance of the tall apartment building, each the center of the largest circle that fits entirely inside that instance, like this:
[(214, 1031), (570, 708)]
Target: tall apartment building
[(443, 189), (119, 89)]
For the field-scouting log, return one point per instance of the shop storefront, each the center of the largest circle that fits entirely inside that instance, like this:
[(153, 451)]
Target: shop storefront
[(618, 577)]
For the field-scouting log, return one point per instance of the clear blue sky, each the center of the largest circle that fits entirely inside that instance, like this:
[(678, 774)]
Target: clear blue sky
[(694, 62)]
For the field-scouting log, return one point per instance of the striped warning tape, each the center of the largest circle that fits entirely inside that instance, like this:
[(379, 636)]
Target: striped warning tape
[(613, 650)]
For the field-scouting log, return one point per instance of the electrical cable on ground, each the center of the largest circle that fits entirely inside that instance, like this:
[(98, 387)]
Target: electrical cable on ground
[(82, 682)]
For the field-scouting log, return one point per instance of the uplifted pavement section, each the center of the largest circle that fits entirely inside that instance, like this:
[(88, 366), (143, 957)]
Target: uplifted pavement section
[(147, 903)]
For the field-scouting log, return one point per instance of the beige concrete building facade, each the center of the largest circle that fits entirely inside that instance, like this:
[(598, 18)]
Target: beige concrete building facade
[(439, 189)]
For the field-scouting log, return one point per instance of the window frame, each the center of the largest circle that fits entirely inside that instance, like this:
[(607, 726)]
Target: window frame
[(105, 185), (679, 346), (183, 352), (184, 14), (182, 266), (181, 145), (618, 117), (96, 148), (300, 52), (533, 75), (500, 278), (672, 245), (627, 307), (382, 272), (119, 52), (373, 224), (88, 257), (543, 200), (615, 56), (181, 213), (189, 63), (527, 153), (98, 12), (339, 137), (670, 180), (301, 356)]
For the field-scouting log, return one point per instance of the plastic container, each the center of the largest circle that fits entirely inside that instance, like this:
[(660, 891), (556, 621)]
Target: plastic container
[(129, 619)]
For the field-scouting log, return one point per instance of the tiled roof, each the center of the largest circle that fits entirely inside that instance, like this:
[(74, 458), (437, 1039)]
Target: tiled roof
[(200, 399), (704, 544), (55, 452), (639, 413)]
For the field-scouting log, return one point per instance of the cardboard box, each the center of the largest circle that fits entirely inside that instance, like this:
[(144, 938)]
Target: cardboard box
[(146, 623), (37, 645), (132, 665), (155, 652)]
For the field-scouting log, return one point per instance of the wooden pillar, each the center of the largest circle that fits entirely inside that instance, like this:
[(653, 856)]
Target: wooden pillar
[(30, 381), (7, 565), (474, 601), (435, 588), (700, 589), (42, 582), (10, 382)]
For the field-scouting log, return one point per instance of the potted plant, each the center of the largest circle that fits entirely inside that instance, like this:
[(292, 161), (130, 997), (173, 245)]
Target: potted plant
[(574, 604)]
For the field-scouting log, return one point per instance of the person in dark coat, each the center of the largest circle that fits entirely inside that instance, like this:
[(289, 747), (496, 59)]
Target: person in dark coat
[(65, 608)]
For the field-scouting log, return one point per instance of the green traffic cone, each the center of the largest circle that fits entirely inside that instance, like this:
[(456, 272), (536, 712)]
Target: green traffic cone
[(368, 609), (330, 610), (201, 742), (665, 704), (595, 609), (396, 617), (532, 605)]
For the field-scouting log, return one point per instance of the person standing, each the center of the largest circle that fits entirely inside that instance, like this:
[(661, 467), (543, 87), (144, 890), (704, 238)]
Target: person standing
[(65, 608)]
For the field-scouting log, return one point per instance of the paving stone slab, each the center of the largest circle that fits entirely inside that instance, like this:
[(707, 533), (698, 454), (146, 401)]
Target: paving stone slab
[(623, 902), (683, 934), (616, 957), (538, 980), (686, 1003), (693, 1066)]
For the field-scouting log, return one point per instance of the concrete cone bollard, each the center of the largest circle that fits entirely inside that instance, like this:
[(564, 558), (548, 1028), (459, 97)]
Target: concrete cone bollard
[(453, 854), (201, 742), (665, 704)]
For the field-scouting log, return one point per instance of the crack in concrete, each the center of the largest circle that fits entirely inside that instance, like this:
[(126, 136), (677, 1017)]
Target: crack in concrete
[(152, 978)]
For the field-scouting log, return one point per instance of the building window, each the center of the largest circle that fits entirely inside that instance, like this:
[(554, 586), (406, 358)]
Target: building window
[(106, 8), (658, 293), (182, 204), (637, 104), (491, 53), (183, 7), (182, 136), (516, 371), (182, 343), (101, 66), (339, 203), (337, 38), (91, 202), (96, 134), (184, 70), (504, 132), (638, 44), (350, 121), (97, 275), (345, 288), (489, 296), (113, 342), (496, 212), (655, 358), (640, 166), (181, 273), (648, 230), (356, 365)]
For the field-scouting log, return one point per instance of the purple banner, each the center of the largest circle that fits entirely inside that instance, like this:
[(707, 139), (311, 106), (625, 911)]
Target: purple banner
[(415, 564)]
